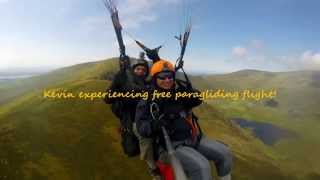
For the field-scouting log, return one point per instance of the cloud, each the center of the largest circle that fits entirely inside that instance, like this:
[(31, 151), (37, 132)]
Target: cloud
[(240, 51), (77, 30), (135, 13), (310, 60), (311, 57), (307, 60), (253, 48), (256, 56), (136, 22)]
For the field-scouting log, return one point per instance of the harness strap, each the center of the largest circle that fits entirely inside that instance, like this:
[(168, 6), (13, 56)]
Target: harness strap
[(194, 130)]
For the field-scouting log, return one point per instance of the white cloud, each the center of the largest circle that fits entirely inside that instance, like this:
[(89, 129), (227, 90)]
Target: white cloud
[(254, 51), (135, 13), (240, 51), (310, 60), (307, 60), (311, 57), (82, 44), (256, 56), (136, 22), (253, 48)]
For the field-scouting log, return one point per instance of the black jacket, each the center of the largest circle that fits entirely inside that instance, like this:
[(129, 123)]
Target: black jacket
[(172, 111), (125, 81)]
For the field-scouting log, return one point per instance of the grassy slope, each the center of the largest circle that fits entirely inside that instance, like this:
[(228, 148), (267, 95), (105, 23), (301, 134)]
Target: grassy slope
[(298, 99), (63, 139), (77, 139), (78, 72)]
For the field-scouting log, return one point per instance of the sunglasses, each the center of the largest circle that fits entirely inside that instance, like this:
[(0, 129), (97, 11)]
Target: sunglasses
[(164, 76)]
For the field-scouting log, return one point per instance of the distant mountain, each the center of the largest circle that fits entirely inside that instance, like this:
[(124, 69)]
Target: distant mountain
[(297, 90), (19, 71), (91, 70)]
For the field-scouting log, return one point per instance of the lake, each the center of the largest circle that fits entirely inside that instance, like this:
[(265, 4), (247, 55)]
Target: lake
[(268, 133)]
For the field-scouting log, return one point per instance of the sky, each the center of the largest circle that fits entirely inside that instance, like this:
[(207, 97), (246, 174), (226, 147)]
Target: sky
[(227, 35)]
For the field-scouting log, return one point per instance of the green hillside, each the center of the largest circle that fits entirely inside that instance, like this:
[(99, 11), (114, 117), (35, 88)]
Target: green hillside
[(92, 70), (76, 139), (295, 108)]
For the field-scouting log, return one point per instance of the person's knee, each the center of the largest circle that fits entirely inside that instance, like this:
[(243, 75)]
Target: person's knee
[(219, 153), (195, 165), (203, 168), (226, 162)]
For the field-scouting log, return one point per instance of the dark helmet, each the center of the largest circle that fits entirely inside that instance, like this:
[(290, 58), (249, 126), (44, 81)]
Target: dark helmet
[(140, 62)]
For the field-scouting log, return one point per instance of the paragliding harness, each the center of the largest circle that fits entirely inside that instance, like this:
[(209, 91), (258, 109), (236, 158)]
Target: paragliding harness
[(116, 108), (129, 142), (174, 170), (189, 117)]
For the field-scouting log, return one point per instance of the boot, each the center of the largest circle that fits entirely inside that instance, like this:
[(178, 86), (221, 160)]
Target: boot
[(155, 173)]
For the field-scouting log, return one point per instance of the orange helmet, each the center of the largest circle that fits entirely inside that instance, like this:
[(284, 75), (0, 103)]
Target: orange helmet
[(161, 66)]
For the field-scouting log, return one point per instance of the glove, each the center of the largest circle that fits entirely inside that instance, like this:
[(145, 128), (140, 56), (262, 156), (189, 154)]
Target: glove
[(153, 55), (124, 62)]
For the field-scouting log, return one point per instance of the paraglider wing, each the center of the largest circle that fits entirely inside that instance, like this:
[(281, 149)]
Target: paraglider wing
[(124, 59), (183, 40)]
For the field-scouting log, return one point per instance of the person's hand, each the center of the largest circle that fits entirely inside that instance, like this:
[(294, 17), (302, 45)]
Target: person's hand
[(153, 55), (124, 61), (124, 58)]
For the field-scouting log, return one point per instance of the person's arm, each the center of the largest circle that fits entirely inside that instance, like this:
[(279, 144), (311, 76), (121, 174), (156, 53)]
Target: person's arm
[(143, 119), (118, 82), (192, 101), (195, 101)]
